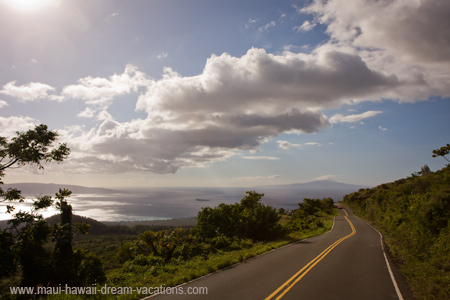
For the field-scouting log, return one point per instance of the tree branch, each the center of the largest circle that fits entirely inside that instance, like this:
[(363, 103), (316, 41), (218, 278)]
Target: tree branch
[(9, 164)]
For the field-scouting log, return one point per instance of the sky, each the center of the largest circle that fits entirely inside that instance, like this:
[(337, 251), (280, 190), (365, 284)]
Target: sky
[(228, 93)]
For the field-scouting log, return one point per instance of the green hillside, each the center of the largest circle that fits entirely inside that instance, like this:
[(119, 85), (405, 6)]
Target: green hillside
[(120, 228), (413, 214)]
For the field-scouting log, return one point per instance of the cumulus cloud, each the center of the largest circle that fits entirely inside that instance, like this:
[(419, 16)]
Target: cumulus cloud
[(419, 30), (138, 147), (377, 50), (9, 126), (287, 145), (410, 39), (353, 118), (28, 92), (100, 91), (3, 103), (259, 82), (236, 103)]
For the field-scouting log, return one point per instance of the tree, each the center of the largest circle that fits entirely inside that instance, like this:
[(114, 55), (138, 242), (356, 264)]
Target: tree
[(23, 242), (425, 170), (31, 147), (28, 231), (309, 207), (63, 235), (442, 152), (249, 219)]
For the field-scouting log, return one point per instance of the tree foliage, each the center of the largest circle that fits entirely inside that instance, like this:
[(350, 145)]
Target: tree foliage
[(32, 147), (414, 216), (307, 215), (443, 151), (249, 219), (23, 243), (425, 170)]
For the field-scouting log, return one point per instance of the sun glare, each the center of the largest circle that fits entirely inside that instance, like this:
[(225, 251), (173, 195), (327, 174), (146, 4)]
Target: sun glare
[(27, 4)]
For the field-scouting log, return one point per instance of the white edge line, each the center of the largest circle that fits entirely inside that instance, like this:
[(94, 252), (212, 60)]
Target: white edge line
[(220, 270), (394, 282)]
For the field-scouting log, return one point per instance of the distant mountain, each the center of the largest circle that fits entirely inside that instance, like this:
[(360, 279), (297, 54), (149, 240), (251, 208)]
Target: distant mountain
[(286, 195), (319, 185), (50, 189)]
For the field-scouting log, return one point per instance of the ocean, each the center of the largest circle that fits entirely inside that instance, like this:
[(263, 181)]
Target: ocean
[(140, 204)]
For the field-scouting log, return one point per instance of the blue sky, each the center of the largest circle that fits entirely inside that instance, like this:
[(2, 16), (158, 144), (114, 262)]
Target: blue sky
[(228, 93)]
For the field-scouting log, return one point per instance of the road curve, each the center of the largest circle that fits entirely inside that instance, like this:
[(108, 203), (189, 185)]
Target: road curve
[(346, 263)]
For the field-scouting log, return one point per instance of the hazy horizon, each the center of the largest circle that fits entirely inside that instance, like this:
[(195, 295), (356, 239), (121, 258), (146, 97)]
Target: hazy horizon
[(150, 203), (5, 182)]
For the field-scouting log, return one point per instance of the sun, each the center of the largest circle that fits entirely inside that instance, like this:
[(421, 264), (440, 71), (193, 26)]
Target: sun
[(27, 4)]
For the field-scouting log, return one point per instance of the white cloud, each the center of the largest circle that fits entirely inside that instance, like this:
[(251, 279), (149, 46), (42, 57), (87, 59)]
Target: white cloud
[(267, 26), (100, 91), (162, 55), (9, 126), (378, 50), (87, 113), (353, 118), (3, 103), (306, 26), (250, 23), (381, 128), (287, 145), (259, 82), (29, 92), (260, 157), (312, 144), (104, 115), (410, 39), (324, 177), (236, 103)]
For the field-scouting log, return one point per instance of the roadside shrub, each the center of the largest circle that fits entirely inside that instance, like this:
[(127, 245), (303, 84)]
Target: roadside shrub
[(124, 252), (88, 268), (414, 215), (248, 219)]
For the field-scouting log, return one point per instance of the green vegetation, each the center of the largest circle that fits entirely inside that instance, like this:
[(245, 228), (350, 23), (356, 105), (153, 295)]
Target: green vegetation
[(171, 257), (414, 216), (443, 151), (23, 245), (99, 228), (40, 253), (249, 219)]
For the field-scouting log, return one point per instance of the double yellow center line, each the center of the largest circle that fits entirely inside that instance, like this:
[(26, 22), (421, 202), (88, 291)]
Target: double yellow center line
[(285, 287)]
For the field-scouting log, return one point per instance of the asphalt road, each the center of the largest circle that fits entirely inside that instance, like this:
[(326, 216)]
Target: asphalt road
[(346, 263)]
